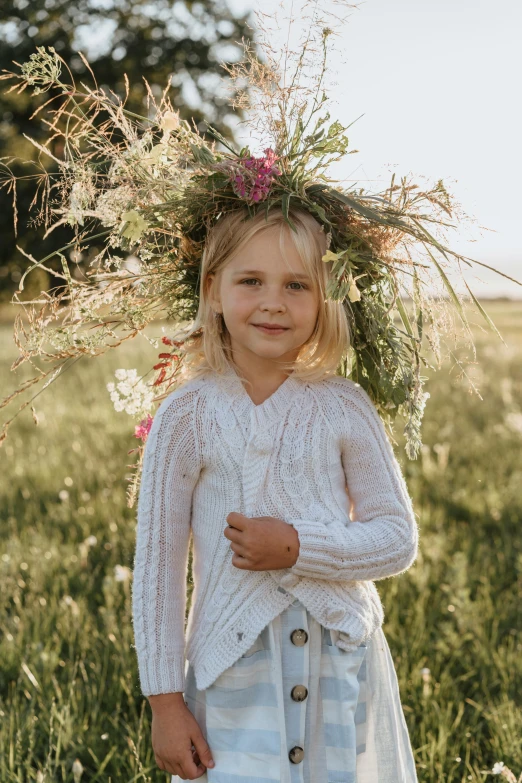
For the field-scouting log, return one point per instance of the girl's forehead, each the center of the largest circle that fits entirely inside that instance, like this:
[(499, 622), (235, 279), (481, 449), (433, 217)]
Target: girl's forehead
[(263, 251)]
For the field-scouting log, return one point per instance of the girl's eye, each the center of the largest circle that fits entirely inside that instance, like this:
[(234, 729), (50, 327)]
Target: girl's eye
[(294, 282)]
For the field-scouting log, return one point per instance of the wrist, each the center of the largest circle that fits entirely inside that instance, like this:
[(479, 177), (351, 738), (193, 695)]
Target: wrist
[(293, 549), (162, 701)]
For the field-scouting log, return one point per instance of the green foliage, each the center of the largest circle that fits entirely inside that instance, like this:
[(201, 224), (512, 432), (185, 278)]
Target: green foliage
[(142, 40)]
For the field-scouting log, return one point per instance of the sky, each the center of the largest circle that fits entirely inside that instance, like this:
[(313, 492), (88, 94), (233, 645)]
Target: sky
[(430, 90), (433, 90)]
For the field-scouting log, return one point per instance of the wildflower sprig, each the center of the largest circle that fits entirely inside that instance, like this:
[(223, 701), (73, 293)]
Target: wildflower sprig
[(43, 69)]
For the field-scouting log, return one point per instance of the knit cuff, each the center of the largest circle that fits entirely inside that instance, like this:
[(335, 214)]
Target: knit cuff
[(354, 552), (314, 559), (163, 676)]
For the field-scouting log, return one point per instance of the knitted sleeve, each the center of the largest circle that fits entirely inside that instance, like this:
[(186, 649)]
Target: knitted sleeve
[(381, 539), (171, 467)]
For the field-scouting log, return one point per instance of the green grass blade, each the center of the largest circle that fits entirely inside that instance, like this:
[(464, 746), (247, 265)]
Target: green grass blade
[(456, 301), (485, 315)]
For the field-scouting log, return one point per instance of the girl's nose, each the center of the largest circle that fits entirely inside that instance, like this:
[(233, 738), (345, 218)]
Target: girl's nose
[(273, 305)]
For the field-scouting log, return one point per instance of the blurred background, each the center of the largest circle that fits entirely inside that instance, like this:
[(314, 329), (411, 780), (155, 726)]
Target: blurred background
[(431, 88)]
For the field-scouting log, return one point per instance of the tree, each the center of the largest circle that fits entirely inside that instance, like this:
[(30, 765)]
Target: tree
[(180, 39)]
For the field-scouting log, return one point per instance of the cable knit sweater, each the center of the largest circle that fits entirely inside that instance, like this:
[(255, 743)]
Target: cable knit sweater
[(314, 454)]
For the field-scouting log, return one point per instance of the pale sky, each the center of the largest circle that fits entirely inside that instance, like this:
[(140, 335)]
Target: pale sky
[(433, 90), (438, 85)]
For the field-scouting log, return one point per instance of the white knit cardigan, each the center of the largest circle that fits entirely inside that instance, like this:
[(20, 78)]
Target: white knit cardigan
[(314, 454)]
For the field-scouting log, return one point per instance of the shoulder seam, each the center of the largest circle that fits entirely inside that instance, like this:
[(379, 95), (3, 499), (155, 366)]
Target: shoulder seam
[(192, 385), (345, 428), (341, 388), (354, 389)]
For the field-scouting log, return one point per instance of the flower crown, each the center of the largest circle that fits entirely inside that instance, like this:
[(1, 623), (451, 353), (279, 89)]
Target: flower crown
[(154, 187)]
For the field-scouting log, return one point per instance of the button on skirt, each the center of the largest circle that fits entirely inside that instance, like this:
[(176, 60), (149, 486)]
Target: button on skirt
[(292, 709)]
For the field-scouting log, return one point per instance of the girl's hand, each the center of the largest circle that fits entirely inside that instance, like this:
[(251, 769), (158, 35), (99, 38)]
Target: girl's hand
[(261, 543), (178, 742)]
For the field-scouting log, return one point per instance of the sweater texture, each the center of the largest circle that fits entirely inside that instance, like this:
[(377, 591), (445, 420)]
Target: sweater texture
[(315, 455)]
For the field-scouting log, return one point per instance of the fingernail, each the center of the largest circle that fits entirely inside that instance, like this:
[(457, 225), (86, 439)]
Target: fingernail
[(211, 764)]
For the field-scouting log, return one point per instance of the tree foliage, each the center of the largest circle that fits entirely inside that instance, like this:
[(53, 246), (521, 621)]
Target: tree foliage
[(177, 40)]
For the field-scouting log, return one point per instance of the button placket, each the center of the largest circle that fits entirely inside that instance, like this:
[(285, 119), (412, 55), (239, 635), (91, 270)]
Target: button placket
[(298, 693), (260, 443), (299, 637)]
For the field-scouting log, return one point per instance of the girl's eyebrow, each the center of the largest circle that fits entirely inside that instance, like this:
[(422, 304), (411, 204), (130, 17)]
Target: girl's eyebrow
[(295, 276)]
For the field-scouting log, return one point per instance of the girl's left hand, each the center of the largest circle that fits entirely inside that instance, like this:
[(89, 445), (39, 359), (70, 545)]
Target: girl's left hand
[(261, 543)]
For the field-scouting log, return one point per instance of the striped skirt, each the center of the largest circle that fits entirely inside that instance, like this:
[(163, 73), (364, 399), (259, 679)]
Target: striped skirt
[(292, 709)]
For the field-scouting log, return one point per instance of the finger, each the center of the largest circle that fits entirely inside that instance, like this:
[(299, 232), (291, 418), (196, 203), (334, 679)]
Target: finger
[(241, 562), (236, 520), (189, 768), (177, 771), (185, 767), (238, 549), (173, 768), (203, 751), (197, 760), (232, 534)]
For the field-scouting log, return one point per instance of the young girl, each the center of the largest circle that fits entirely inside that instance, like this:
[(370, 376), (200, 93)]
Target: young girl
[(281, 472)]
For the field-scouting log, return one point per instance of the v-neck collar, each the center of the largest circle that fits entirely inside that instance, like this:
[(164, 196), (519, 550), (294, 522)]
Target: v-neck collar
[(270, 409)]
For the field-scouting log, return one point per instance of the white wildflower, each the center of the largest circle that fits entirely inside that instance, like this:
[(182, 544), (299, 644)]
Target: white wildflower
[(78, 202), (497, 768), (43, 68), (122, 573), (111, 204), (131, 394)]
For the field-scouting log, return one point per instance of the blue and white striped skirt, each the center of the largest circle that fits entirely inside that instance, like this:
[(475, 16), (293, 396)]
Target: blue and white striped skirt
[(292, 709)]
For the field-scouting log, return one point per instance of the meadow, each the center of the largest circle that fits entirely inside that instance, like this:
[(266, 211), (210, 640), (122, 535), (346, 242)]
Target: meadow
[(70, 703)]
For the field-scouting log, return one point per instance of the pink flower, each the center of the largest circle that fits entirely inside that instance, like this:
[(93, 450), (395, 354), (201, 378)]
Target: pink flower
[(143, 428), (252, 177)]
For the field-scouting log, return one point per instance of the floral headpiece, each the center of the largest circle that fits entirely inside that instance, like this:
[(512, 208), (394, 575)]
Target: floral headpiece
[(154, 186)]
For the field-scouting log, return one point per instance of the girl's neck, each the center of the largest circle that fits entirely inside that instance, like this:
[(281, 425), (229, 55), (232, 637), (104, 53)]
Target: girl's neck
[(263, 377)]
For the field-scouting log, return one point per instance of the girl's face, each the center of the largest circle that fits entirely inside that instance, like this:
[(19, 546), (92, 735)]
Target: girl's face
[(258, 289)]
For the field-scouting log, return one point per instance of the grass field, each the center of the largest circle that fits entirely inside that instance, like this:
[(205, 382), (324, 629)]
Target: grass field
[(68, 677)]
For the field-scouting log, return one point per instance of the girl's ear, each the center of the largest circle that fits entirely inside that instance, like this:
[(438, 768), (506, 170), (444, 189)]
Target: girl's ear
[(211, 291)]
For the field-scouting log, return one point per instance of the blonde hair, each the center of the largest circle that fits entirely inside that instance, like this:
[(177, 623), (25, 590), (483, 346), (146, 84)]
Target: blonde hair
[(207, 345)]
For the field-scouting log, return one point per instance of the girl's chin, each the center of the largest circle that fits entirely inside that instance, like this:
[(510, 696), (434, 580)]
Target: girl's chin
[(263, 348)]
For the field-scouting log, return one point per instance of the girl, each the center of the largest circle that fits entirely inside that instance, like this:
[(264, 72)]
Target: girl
[(281, 472)]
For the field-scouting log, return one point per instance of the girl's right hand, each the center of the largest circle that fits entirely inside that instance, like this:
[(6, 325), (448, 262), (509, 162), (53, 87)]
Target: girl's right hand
[(174, 731)]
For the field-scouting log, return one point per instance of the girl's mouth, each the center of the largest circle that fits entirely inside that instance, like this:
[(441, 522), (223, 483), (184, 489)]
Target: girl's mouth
[(270, 329)]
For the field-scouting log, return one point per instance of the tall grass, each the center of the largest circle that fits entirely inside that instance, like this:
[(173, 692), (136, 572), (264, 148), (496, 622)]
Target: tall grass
[(69, 687)]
